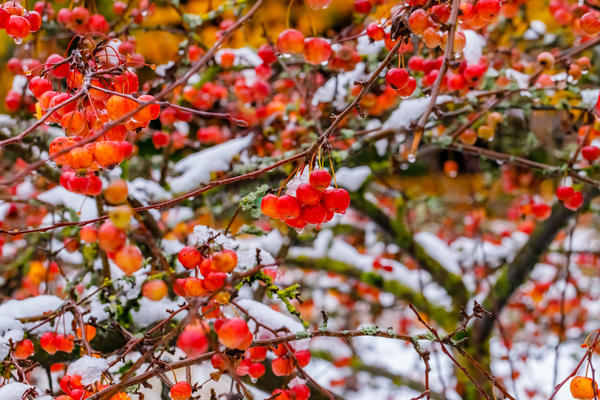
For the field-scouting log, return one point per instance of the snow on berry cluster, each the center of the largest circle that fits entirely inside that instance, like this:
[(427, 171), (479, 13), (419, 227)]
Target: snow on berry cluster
[(313, 202)]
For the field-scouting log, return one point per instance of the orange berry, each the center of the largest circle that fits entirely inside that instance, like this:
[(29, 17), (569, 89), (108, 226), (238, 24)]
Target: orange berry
[(116, 192), (582, 388), (155, 289), (129, 259)]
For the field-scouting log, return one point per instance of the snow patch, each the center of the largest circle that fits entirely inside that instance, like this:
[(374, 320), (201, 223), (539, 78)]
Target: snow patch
[(196, 168), (269, 317), (14, 391), (352, 178), (90, 369), (410, 110), (473, 47)]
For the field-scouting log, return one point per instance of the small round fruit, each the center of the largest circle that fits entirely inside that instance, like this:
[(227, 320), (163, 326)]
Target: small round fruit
[(224, 260), (155, 289), (192, 341), (129, 259), (234, 333), (288, 207), (190, 257), (180, 391), (268, 206), (319, 179), (116, 192), (110, 237), (582, 388), (291, 41), (307, 194), (336, 200), (316, 50)]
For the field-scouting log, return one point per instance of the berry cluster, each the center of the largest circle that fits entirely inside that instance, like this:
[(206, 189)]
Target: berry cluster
[(52, 342), (314, 50), (570, 198), (79, 20), (282, 365), (72, 386), (213, 268), (314, 203), (111, 237), (85, 116), (17, 21)]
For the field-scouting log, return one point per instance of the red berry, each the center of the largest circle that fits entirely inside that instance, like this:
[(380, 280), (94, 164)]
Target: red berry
[(235, 334), (307, 194), (375, 32), (303, 357), (257, 353), (282, 366), (288, 207), (296, 223), (18, 27), (362, 6), (180, 391), (39, 86), (574, 202), (564, 193), (314, 214), (14, 65), (418, 21), (35, 20), (397, 77), (219, 362), (80, 15), (23, 349), (111, 238), (488, 10), (48, 343), (12, 101), (256, 370), (473, 72), (189, 257), (291, 41), (336, 200), (319, 179), (267, 54), (4, 16), (541, 210), (58, 71), (590, 153), (160, 139), (64, 16), (268, 206), (192, 341), (590, 23), (300, 392), (316, 50), (98, 24)]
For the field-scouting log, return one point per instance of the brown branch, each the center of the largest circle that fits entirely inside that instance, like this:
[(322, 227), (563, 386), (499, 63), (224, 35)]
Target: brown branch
[(440, 77)]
